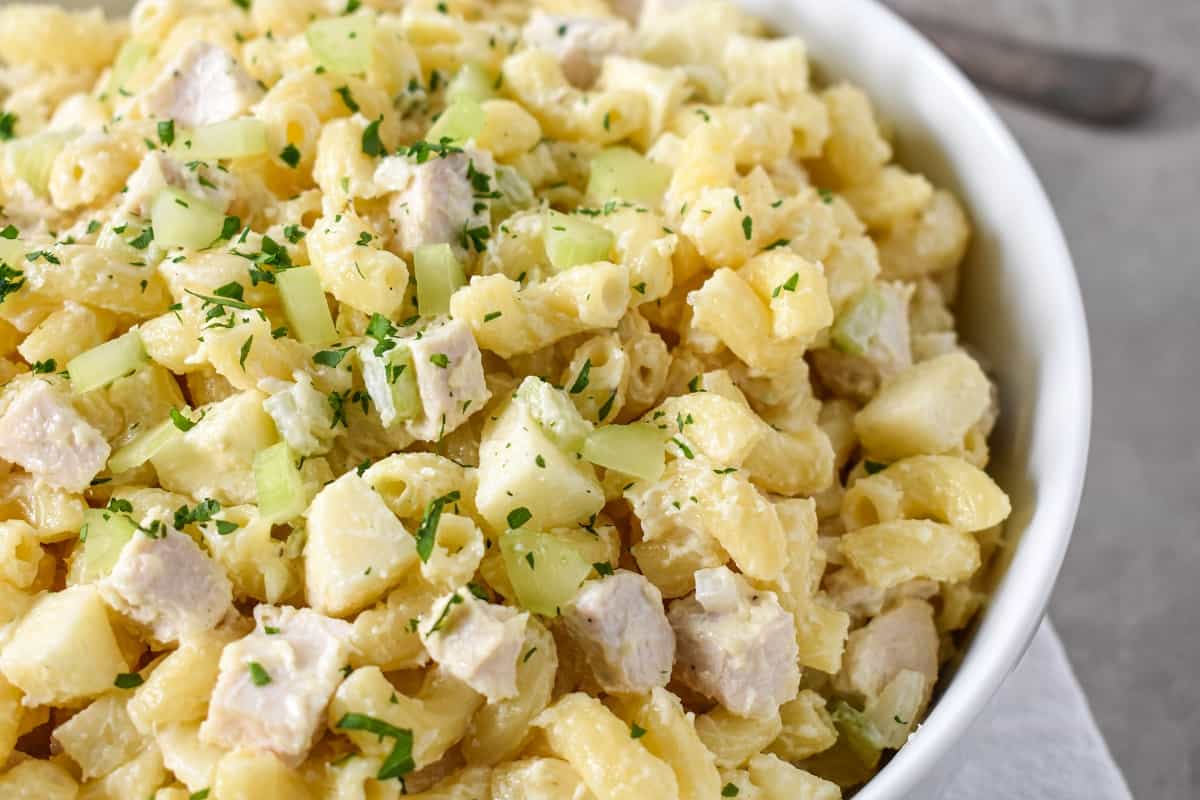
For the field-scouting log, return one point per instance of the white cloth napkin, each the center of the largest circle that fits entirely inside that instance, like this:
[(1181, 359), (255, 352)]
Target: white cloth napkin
[(1037, 740)]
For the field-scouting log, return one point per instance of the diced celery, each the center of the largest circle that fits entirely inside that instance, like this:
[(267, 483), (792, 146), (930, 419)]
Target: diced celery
[(555, 413), (304, 304), (129, 59), (280, 487), (636, 450), (235, 138), (143, 447), (858, 322), (572, 241), (471, 83), (103, 535), (859, 735), (624, 174), (391, 382), (515, 193), (894, 712), (343, 44), (405, 395), (545, 571), (183, 220), (460, 122), (105, 363), (438, 275), (33, 156)]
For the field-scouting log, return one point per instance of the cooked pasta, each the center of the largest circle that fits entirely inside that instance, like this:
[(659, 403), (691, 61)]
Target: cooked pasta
[(469, 400)]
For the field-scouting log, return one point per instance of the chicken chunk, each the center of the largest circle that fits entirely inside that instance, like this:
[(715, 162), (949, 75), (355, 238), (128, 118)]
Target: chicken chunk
[(736, 644), (888, 352), (301, 415), (476, 641), (904, 637), (579, 43), (41, 432), (620, 624), (157, 171), (166, 584), (438, 201), (202, 85), (450, 379), (275, 683)]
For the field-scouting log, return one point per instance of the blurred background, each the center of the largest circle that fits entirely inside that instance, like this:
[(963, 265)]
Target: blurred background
[(1128, 599), (1128, 603)]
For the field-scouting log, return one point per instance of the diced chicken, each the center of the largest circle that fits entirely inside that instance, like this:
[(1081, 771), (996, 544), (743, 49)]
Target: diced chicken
[(439, 201), (158, 170), (476, 641), (279, 704), (450, 379), (620, 624), (41, 432), (202, 85), (736, 644), (301, 414), (889, 351), (579, 43), (903, 637), (167, 584)]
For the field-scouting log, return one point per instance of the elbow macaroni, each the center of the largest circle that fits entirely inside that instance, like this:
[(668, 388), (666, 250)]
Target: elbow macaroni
[(751, 215)]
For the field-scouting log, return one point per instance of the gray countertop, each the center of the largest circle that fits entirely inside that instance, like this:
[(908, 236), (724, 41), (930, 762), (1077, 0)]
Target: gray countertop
[(1128, 602)]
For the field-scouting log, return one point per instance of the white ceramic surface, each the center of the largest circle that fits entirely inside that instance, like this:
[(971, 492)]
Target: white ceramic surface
[(1020, 308)]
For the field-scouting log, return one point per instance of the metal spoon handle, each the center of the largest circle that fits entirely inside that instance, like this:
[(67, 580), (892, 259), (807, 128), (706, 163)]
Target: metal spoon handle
[(1100, 88)]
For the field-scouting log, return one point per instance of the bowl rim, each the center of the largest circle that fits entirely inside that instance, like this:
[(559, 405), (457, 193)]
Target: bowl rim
[(1015, 609)]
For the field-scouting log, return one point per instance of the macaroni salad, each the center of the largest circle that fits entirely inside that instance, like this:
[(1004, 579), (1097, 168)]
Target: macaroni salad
[(469, 400)]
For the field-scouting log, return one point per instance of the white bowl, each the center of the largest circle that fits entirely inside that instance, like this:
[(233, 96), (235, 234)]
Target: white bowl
[(1020, 307)]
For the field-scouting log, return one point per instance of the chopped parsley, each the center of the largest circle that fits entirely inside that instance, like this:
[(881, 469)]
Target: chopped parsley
[(183, 423), (581, 381), (143, 239), (747, 227), (331, 358), (603, 568), (290, 155), (787, 286), (440, 360), (8, 122), (873, 467), (245, 351), (729, 790), (826, 195), (687, 451), (166, 132), (636, 731), (371, 143), (293, 233), (44, 367), (203, 512), (778, 243), (399, 761), (427, 531), (454, 600), (347, 98), (10, 232), (120, 506), (258, 675), (230, 227), (491, 315), (128, 680), (606, 409), (518, 517)]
